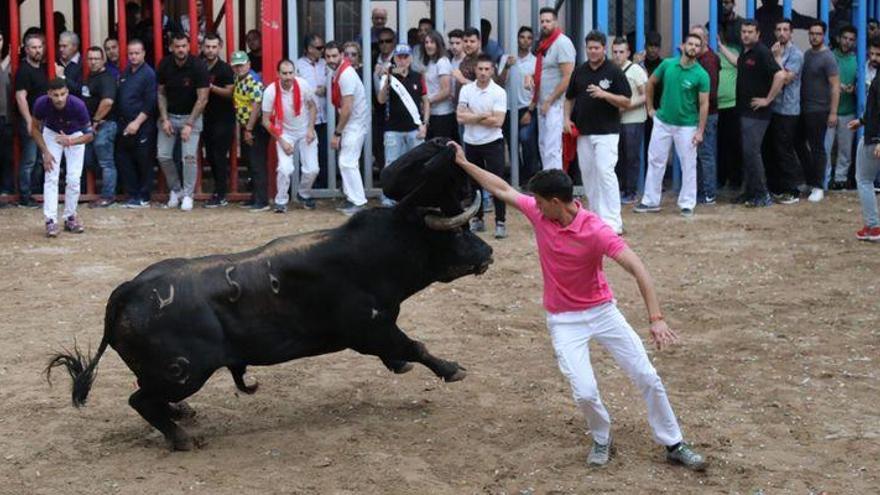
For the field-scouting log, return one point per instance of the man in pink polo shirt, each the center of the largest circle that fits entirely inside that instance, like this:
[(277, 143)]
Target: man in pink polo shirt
[(572, 243)]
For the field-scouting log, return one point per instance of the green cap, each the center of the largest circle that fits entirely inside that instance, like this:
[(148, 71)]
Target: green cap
[(239, 57)]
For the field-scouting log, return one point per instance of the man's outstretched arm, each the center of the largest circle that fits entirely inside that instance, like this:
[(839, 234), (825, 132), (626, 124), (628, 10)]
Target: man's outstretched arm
[(661, 334), (496, 186)]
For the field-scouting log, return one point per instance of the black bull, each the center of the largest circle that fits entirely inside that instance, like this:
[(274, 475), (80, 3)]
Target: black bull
[(180, 320)]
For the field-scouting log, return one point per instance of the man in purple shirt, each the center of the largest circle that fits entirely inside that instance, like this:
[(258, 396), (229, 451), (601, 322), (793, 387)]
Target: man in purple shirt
[(61, 124)]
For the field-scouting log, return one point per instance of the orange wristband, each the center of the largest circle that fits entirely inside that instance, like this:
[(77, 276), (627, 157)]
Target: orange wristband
[(655, 318)]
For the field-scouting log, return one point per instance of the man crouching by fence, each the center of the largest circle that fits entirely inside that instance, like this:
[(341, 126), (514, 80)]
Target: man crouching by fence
[(61, 124), (289, 114), (572, 243)]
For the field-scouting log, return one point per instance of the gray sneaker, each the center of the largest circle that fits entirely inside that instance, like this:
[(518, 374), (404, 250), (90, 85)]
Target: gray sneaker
[(643, 208), (599, 454), (500, 230), (477, 225), (685, 455)]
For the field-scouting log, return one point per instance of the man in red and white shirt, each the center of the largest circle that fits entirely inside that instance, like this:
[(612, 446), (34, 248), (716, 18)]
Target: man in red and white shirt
[(572, 243), (290, 119)]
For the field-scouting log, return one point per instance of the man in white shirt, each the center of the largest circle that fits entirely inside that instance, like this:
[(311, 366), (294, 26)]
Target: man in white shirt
[(312, 67), (556, 56), (520, 69), (290, 119), (632, 123), (349, 97), (482, 106)]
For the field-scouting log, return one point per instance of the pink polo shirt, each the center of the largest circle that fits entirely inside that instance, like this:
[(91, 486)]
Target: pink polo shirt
[(571, 257)]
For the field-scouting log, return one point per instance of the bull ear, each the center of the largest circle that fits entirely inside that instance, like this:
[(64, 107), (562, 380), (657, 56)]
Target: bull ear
[(450, 223)]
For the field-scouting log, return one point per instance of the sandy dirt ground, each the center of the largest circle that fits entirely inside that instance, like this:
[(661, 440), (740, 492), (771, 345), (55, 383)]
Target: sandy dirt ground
[(776, 377)]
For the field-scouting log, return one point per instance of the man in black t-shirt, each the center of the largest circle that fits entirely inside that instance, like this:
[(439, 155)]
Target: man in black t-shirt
[(31, 82), (402, 96), (99, 93), (597, 92), (219, 128), (183, 94), (758, 80)]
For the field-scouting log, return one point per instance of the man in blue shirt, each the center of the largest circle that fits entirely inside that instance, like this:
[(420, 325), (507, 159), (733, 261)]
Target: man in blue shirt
[(135, 112)]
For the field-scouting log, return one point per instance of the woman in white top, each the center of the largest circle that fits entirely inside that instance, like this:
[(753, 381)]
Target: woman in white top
[(438, 79)]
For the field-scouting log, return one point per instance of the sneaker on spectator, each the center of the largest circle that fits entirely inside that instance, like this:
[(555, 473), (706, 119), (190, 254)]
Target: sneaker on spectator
[(52, 229), (257, 207), (759, 202), (102, 203), (135, 203), (28, 203), (387, 202), (280, 208), (786, 198), (685, 455), (838, 185), (869, 234), (816, 195), (500, 230), (308, 203), (707, 200), (687, 212), (350, 209), (71, 224), (477, 225), (173, 200), (246, 204), (627, 199), (599, 454), (643, 208), (876, 187), (216, 201), (187, 203)]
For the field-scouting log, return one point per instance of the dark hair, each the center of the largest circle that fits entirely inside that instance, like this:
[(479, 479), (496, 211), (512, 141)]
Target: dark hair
[(653, 39), (96, 49), (524, 29), (620, 40), (553, 183), (179, 35), (547, 10), (56, 84), (437, 38), (284, 61), (309, 39), (387, 30), (874, 42), (213, 37), (425, 20), (848, 28), (471, 32), (873, 20), (694, 36), (750, 22), (456, 33), (485, 57), (819, 23), (784, 20), (137, 41), (485, 26), (332, 45), (34, 35), (111, 38), (597, 36)]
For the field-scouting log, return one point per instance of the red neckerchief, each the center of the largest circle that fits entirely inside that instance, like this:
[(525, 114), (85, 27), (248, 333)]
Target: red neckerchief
[(545, 45), (335, 90), (278, 113)]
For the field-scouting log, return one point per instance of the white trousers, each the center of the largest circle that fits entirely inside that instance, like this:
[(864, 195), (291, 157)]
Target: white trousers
[(74, 164), (550, 136), (662, 138), (571, 333), (349, 167), (597, 157), (308, 160)]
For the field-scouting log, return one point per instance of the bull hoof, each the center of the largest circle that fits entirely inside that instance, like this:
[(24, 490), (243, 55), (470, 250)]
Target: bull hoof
[(182, 411), (455, 377), (182, 442), (407, 367)]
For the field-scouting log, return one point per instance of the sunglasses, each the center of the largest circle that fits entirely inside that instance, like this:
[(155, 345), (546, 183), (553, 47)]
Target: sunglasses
[(319, 48), (386, 41), (351, 54)]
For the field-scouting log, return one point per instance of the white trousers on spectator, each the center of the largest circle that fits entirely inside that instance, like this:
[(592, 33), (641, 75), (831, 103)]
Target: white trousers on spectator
[(550, 136), (597, 157), (308, 162), (74, 164), (662, 138), (571, 333), (352, 144)]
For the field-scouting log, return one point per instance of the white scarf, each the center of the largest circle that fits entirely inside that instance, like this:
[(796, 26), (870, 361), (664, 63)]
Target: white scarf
[(405, 98)]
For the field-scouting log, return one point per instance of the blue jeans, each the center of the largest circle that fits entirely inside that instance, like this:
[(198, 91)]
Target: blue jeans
[(867, 168), (707, 158), (7, 182), (629, 157), (28, 162), (397, 143), (528, 145), (100, 154)]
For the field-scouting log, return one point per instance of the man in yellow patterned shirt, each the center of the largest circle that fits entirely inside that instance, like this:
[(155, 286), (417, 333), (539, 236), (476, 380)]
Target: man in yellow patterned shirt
[(247, 97)]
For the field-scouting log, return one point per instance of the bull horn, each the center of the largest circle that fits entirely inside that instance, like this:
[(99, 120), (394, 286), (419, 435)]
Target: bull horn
[(436, 222)]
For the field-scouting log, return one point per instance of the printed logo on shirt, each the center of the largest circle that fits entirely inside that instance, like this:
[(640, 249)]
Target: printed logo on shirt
[(751, 62), (605, 84), (187, 82)]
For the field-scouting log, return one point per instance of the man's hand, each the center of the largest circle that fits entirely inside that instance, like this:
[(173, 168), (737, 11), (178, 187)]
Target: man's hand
[(167, 128), (661, 335), (832, 120), (59, 70), (639, 57), (759, 103), (529, 83), (460, 159), (854, 124), (310, 136), (526, 118), (321, 90), (545, 107), (131, 129), (287, 147), (776, 49), (63, 140), (336, 142), (698, 138), (423, 131), (248, 137), (596, 91), (877, 151), (186, 132), (510, 61), (651, 113), (566, 126), (48, 161)]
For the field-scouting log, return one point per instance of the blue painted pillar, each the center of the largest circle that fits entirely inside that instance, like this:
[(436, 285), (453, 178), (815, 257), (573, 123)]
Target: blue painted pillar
[(677, 36), (640, 25), (786, 9), (713, 24), (601, 15), (861, 52), (823, 15), (750, 9)]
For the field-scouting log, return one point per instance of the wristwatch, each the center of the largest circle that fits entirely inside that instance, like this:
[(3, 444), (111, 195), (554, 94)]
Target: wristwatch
[(337, 133)]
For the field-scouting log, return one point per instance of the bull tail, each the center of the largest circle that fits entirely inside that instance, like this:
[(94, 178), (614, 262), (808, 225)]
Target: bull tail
[(82, 368)]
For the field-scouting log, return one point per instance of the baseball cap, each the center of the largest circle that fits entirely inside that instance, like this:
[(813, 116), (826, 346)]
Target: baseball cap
[(402, 49), (238, 57)]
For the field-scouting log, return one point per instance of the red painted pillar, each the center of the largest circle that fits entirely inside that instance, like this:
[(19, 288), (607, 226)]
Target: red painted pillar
[(193, 28), (271, 27), (14, 36), (158, 39), (122, 23), (51, 42), (208, 5), (85, 42), (230, 38)]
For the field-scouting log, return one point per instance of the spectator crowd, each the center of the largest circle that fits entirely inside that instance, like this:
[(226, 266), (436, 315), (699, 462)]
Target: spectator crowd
[(768, 120)]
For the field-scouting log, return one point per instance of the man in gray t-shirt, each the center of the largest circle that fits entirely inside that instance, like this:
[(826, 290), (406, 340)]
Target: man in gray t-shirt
[(820, 95)]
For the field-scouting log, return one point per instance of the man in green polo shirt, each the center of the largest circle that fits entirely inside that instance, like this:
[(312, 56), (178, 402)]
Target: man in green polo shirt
[(846, 109), (681, 119)]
